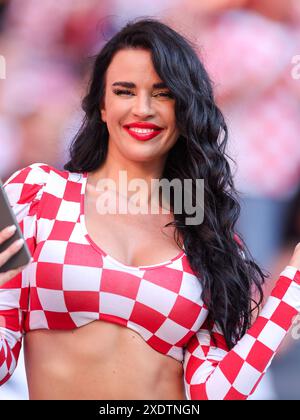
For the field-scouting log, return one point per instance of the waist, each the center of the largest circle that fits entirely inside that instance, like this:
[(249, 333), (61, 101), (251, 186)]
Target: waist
[(98, 361)]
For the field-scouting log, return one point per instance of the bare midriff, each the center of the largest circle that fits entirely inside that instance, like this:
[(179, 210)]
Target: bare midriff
[(99, 361)]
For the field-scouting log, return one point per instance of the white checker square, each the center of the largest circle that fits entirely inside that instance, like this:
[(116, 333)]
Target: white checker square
[(3, 369), (291, 297), (245, 386), (156, 297), (77, 235), (272, 335), (139, 329), (44, 228), (289, 272), (201, 373), (53, 252), (9, 298), (29, 226), (20, 211), (200, 319), (83, 318), (36, 175), (110, 264), (81, 278), (29, 275), (270, 306), (52, 300), (68, 211), (244, 346), (56, 185), (176, 353), (171, 332), (218, 385), (37, 320), (117, 305), (10, 336), (191, 288)]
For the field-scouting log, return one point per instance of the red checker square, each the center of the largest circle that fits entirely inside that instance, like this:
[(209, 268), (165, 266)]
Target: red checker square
[(5, 379), (147, 317), (283, 315), (59, 321), (9, 359), (37, 250), (21, 177), (259, 356), (35, 303), (49, 275), (165, 277), (231, 366), (33, 208), (61, 231), (198, 392), (186, 266), (193, 364), (11, 319), (220, 341), (13, 283), (185, 339), (184, 312), (28, 192), (233, 394), (50, 211), (297, 277), (120, 283), (84, 255), (82, 301), (73, 189), (193, 343), (281, 287), (31, 243), (112, 318), (159, 344), (24, 298), (257, 327)]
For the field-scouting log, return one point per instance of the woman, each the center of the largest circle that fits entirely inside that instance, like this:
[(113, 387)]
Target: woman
[(100, 324)]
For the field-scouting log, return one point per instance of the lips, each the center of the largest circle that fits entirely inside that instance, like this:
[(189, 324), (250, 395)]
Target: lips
[(143, 131)]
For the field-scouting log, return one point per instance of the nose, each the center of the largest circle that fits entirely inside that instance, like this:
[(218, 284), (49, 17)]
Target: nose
[(143, 106)]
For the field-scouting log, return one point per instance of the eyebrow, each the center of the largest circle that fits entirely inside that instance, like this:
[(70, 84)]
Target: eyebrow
[(131, 85)]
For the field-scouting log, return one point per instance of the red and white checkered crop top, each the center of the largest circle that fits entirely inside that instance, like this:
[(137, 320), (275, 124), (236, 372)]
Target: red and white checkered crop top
[(72, 282)]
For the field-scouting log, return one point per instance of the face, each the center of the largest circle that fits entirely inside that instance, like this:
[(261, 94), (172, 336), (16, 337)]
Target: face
[(138, 108)]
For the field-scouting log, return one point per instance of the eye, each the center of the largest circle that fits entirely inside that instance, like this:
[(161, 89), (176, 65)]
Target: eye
[(122, 92), (165, 95)]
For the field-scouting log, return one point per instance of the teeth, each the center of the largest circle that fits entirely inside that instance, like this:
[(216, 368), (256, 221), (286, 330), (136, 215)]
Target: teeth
[(142, 130)]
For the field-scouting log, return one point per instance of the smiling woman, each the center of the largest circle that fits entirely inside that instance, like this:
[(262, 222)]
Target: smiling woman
[(112, 306)]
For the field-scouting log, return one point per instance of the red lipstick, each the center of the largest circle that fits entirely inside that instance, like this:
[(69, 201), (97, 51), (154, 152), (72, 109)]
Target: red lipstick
[(143, 130)]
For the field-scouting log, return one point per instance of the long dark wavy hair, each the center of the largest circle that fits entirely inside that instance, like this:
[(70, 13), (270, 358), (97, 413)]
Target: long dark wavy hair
[(231, 280)]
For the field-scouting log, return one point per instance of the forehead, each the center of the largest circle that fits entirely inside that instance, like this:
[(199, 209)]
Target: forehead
[(132, 65)]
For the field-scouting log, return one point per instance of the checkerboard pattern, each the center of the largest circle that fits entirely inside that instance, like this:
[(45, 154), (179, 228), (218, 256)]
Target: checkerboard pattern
[(72, 282), (219, 374)]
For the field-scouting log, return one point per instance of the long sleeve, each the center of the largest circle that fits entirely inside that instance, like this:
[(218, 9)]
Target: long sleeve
[(24, 189), (215, 373)]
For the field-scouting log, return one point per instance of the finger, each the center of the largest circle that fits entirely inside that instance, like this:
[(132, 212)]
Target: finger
[(7, 233), (8, 275), (10, 251)]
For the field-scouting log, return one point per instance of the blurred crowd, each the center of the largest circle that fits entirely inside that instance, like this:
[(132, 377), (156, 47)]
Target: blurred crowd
[(248, 48)]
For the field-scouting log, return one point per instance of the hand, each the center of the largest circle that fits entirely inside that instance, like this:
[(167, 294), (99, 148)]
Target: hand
[(8, 253), (295, 260)]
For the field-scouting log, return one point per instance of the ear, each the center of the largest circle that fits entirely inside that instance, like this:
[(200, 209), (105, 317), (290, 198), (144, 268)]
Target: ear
[(103, 113)]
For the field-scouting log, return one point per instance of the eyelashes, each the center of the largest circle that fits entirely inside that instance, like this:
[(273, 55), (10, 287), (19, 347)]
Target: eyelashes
[(130, 93)]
